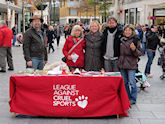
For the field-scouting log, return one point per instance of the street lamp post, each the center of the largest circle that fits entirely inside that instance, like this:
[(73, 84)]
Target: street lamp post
[(94, 9), (50, 8), (23, 17), (54, 11), (41, 8), (95, 3)]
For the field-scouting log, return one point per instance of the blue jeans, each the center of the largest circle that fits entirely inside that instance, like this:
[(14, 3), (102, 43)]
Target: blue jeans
[(14, 40), (129, 80), (151, 56), (144, 47), (37, 63)]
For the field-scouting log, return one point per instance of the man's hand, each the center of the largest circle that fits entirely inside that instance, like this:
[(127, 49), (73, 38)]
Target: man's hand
[(45, 62), (29, 63)]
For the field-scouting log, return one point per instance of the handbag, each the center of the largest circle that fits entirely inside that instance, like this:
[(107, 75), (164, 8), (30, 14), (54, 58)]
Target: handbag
[(162, 40), (160, 61), (64, 58)]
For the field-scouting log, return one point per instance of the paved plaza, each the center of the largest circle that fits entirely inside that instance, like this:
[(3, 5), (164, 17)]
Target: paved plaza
[(150, 107)]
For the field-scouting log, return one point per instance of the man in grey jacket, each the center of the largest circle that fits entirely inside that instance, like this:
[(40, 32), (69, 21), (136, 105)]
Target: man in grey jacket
[(34, 45)]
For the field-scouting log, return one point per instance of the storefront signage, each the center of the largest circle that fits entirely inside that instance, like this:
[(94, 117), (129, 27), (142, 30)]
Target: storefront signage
[(160, 12), (152, 17), (139, 9)]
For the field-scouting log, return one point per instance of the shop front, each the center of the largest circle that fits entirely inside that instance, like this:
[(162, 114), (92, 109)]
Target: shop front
[(132, 16), (159, 15)]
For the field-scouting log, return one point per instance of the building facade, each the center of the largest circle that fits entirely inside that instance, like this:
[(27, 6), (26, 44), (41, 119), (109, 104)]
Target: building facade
[(72, 11), (139, 11), (10, 11)]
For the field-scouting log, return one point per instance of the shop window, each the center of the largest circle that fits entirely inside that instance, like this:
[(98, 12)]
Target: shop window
[(73, 12)]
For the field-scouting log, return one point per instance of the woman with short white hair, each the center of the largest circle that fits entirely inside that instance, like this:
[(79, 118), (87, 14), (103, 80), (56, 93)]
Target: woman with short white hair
[(74, 49)]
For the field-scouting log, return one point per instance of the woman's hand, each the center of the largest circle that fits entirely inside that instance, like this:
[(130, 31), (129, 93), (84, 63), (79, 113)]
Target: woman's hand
[(132, 46), (69, 57), (164, 47)]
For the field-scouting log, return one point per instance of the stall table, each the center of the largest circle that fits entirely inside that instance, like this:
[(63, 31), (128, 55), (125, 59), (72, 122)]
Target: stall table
[(68, 96)]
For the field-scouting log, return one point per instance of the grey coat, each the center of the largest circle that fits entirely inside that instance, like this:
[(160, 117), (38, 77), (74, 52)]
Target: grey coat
[(93, 52), (33, 45)]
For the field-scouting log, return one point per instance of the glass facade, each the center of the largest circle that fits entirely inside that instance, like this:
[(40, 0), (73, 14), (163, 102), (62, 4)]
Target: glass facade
[(160, 16), (130, 1)]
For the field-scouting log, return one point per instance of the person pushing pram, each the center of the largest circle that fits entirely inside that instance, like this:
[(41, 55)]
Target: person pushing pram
[(141, 78), (161, 60)]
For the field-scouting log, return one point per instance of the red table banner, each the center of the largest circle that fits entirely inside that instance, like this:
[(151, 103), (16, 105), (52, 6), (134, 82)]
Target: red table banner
[(68, 96)]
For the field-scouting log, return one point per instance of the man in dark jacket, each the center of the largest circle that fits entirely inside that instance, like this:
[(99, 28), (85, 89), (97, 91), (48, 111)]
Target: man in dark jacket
[(152, 42), (14, 29), (57, 34), (111, 45), (6, 37), (34, 45)]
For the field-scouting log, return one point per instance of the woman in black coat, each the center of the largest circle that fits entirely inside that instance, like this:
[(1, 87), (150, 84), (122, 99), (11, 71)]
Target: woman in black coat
[(50, 36), (93, 50)]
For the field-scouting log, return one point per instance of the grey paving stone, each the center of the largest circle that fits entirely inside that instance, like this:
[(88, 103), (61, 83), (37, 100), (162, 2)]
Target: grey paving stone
[(141, 114), (88, 121), (152, 121), (152, 107), (160, 115), (48, 121), (124, 121), (14, 121)]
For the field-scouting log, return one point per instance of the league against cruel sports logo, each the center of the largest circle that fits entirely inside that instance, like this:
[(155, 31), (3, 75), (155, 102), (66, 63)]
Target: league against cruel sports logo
[(68, 95)]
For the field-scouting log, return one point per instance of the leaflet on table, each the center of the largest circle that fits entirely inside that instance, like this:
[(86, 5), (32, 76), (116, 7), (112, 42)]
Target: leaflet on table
[(112, 74), (56, 70), (74, 57), (95, 74)]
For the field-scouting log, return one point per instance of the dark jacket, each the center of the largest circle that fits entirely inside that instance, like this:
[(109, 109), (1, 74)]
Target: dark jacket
[(14, 29), (152, 40), (128, 59), (33, 45), (93, 52), (50, 36), (55, 32), (116, 43)]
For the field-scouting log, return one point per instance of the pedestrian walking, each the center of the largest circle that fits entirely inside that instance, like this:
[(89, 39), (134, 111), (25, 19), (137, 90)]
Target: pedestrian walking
[(6, 36), (111, 45), (143, 39), (130, 50), (50, 36), (34, 45), (14, 29), (152, 42), (58, 34), (66, 31), (94, 50), (74, 49)]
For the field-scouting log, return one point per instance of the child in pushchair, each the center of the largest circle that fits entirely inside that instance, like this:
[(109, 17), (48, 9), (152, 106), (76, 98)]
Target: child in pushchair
[(162, 60), (141, 78)]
